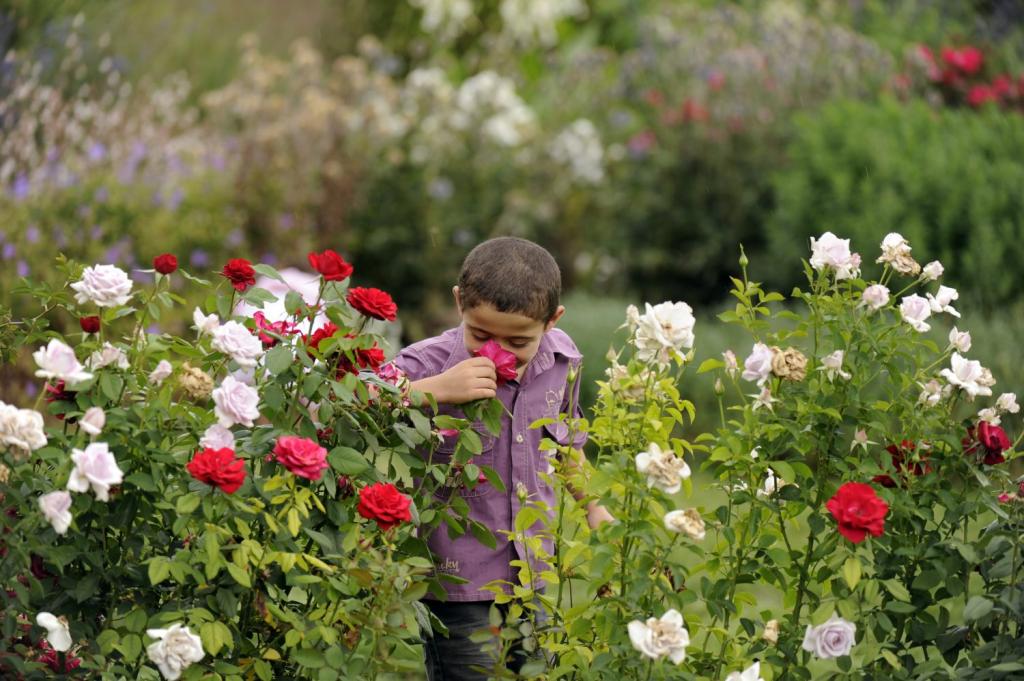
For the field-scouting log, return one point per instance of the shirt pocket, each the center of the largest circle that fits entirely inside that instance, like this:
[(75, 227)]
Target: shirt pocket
[(443, 456)]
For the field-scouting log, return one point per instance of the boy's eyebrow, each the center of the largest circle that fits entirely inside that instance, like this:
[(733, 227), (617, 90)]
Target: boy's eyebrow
[(484, 331)]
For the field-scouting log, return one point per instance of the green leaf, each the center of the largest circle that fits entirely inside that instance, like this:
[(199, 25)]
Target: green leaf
[(347, 461), (482, 534), (710, 365), (308, 657), (239, 575), (111, 385), (851, 572), (976, 608), (278, 359), (159, 570), (268, 271), (187, 503), (897, 590)]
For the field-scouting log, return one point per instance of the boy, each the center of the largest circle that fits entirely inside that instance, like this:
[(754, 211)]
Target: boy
[(508, 291)]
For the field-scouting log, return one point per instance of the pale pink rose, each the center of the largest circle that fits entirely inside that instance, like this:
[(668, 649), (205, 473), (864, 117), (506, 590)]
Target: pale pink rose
[(660, 637), (731, 363), (217, 437), (758, 366), (832, 365), (175, 650), (832, 639), (162, 371), (943, 300), (57, 361), (961, 340), (56, 507), (829, 251), (235, 402), (967, 375), (21, 429), (893, 247), (875, 296), (931, 393), (662, 468), (95, 467), (932, 271), (204, 324), (107, 355), (104, 286), (1008, 402), (236, 341), (93, 421), (763, 399), (915, 310)]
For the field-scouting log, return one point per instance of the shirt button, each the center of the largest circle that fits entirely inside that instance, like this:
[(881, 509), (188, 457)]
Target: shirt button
[(519, 438)]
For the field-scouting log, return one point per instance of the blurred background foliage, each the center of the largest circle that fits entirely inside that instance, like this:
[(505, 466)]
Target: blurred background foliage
[(639, 140)]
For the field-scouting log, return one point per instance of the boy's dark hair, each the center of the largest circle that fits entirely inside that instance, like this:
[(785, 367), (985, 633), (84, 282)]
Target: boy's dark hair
[(512, 274)]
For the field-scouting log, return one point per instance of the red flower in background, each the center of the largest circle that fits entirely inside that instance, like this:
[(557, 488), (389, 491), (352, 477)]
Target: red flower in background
[(58, 393), (504, 361), (979, 95), (90, 324), (991, 438), (967, 60), (240, 273), (383, 503), (858, 511), (901, 454), (330, 265), (372, 302), (218, 468), (165, 264)]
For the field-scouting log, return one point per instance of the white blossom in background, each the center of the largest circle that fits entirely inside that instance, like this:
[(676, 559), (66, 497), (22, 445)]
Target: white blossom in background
[(968, 375), (444, 19), (162, 371), (915, 310), (751, 673), (943, 300), (175, 650), (217, 437), (58, 633), (687, 521), (535, 22), (875, 297), (664, 637), (830, 252), (104, 286), (832, 365), (92, 421), (95, 468), (832, 639), (21, 429), (772, 484), (663, 331), (56, 508), (236, 341), (961, 340), (491, 100), (1007, 402), (663, 468), (579, 147), (235, 402), (106, 356), (204, 324), (932, 271), (57, 361)]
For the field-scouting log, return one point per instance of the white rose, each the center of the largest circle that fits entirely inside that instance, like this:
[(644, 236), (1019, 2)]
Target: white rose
[(661, 637), (56, 507), (21, 429), (914, 309), (58, 634), (204, 324), (893, 246), (1008, 402), (217, 437), (932, 271), (58, 361), (235, 402), (990, 415), (751, 673), (968, 375), (931, 393), (772, 484), (942, 301), (106, 356), (95, 467), (93, 421), (961, 340), (663, 330), (834, 638), (103, 285), (687, 521), (663, 469), (632, 317), (234, 340), (832, 365), (875, 296), (763, 399), (162, 371), (832, 252), (175, 650), (758, 365)]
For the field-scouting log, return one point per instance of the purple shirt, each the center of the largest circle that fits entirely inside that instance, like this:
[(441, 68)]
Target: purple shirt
[(514, 453)]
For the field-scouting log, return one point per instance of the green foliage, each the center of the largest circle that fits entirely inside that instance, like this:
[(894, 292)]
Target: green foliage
[(949, 181)]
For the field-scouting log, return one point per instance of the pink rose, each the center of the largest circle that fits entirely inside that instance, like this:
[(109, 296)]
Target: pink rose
[(301, 456)]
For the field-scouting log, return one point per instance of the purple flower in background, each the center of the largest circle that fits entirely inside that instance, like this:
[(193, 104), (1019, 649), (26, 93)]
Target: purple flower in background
[(101, 195), (59, 238), (199, 258), (286, 221), (97, 152), (96, 233), (153, 329), (269, 258), (31, 389), (176, 198), (9, 251), (20, 188), (234, 239), (218, 162), (23, 268), (140, 277), (32, 234)]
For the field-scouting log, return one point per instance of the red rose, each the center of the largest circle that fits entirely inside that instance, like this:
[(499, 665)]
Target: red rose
[(858, 510), (980, 95), (59, 393), (281, 328), (218, 468), (968, 60), (366, 358), (372, 302), (330, 265), (385, 504), (165, 264), (992, 438), (240, 273), (324, 332), (301, 456), (1003, 86), (90, 324), (51, 659), (900, 455), (504, 361)]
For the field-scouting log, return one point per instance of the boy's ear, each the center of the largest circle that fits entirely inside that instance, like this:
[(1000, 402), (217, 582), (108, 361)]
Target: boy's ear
[(554, 318), (458, 300)]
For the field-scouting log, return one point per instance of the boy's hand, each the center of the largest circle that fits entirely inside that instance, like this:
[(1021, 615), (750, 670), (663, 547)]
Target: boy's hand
[(471, 379), (597, 515)]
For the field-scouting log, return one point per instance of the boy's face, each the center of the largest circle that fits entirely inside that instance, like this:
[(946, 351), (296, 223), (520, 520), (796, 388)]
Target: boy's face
[(517, 333)]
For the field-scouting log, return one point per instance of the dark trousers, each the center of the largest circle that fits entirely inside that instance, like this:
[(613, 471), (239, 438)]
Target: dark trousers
[(452, 658)]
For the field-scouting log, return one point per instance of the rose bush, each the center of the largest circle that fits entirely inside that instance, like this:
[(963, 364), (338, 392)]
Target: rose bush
[(185, 508)]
